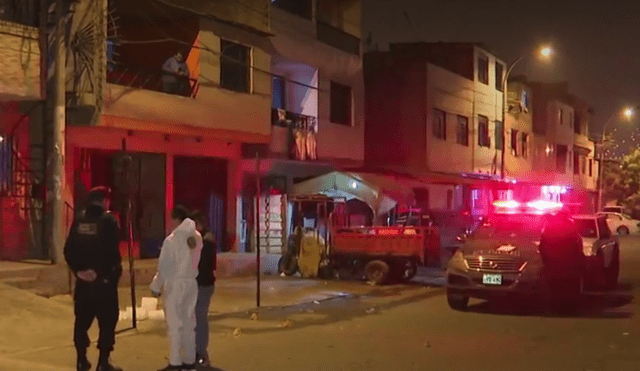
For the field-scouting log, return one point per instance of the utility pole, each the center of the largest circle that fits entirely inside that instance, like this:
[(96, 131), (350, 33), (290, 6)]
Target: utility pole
[(56, 155)]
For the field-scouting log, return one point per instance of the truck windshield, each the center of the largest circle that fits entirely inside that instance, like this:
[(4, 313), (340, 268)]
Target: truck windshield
[(587, 228), (520, 224)]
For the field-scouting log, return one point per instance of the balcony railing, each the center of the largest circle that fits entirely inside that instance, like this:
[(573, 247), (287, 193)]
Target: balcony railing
[(150, 79), (301, 133)]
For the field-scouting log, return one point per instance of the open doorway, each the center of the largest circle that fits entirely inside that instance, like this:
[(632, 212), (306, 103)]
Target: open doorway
[(200, 183), (146, 183)]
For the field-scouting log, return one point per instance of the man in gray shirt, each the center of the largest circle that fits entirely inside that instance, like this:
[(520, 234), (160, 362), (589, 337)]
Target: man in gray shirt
[(175, 74)]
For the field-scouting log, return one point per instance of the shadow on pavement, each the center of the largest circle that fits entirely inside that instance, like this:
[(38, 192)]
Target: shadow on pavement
[(320, 313), (605, 305)]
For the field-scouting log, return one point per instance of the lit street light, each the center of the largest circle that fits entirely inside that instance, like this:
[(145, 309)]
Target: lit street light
[(627, 113), (545, 52)]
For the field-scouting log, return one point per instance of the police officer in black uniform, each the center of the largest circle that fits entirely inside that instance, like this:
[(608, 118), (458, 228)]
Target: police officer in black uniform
[(93, 254)]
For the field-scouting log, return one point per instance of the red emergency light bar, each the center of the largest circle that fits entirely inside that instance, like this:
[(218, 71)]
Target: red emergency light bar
[(539, 206)]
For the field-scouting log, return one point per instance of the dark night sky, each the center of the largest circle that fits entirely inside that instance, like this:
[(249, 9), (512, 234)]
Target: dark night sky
[(596, 46)]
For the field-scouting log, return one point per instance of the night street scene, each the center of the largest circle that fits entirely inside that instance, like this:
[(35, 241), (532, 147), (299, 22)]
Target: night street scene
[(319, 185)]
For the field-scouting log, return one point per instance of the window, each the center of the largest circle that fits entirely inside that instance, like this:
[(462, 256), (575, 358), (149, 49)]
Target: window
[(499, 76), (569, 162), (576, 163), (483, 69), (571, 120), (577, 123), (340, 104), (279, 93), (439, 124), (561, 158), (449, 199), (462, 132), (525, 147), (514, 142), (560, 116), (483, 131), (499, 135), (234, 67), (583, 163), (590, 167)]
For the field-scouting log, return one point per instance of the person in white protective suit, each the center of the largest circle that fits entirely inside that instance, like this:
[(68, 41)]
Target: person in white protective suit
[(176, 279)]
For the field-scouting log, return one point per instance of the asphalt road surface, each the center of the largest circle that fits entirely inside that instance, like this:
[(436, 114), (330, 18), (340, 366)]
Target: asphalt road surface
[(410, 327)]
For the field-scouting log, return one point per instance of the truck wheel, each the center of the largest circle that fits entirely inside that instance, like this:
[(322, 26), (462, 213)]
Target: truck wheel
[(623, 231), (612, 272), (457, 301), (412, 270), (376, 271)]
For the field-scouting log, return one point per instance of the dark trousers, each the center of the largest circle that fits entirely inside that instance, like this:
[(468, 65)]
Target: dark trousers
[(96, 300)]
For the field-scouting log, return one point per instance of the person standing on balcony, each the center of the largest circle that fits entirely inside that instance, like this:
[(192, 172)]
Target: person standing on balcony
[(175, 74), (92, 253), (206, 282)]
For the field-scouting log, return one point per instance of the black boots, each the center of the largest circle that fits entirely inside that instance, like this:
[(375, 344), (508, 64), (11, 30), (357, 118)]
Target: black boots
[(104, 365), (107, 367), (83, 364)]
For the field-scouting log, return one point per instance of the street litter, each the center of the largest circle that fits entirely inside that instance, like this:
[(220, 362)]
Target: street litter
[(370, 310), (237, 332), (316, 302), (254, 317), (286, 324)]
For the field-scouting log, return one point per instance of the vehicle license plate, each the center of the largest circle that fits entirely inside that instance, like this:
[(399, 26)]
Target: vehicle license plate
[(492, 279)]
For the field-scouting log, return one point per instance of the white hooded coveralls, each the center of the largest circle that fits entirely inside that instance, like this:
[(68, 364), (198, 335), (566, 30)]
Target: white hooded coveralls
[(176, 279)]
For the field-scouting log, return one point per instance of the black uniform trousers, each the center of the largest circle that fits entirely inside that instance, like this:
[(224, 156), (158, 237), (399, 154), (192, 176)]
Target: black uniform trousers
[(96, 300)]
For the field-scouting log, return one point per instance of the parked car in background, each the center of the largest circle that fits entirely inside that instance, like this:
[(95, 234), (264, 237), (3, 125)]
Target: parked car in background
[(620, 223)]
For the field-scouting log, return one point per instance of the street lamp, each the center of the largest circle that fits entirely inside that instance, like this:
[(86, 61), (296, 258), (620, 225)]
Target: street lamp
[(545, 52), (627, 113)]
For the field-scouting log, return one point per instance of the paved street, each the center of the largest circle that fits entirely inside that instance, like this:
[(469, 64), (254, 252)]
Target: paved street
[(408, 327)]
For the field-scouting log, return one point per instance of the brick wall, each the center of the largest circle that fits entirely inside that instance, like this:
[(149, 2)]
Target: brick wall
[(20, 62)]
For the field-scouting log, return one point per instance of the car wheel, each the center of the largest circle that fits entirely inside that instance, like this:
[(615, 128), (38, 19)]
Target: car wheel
[(623, 231), (457, 301), (377, 272), (612, 272)]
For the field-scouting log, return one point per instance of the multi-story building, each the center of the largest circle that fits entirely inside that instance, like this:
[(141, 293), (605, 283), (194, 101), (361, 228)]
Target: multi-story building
[(435, 110), (184, 132), (519, 133), (563, 156), (22, 87), (317, 121)]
